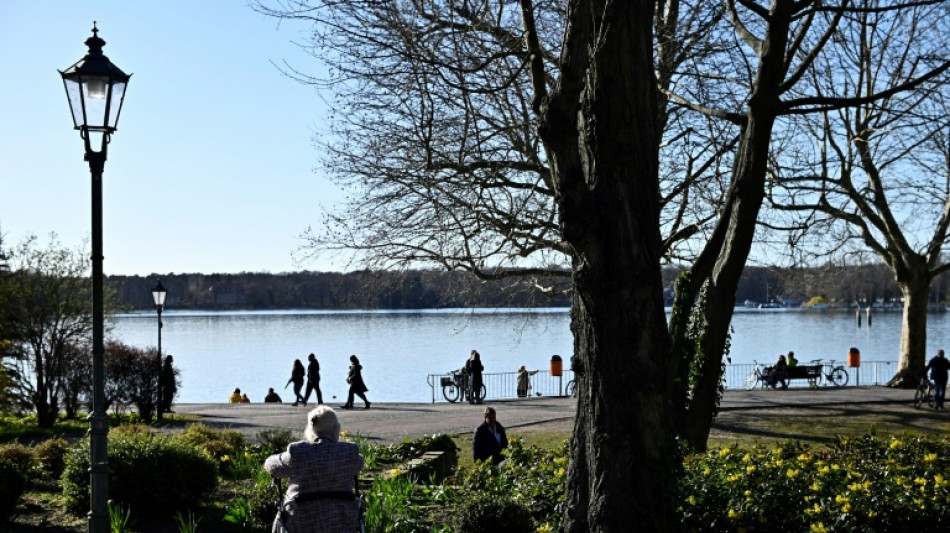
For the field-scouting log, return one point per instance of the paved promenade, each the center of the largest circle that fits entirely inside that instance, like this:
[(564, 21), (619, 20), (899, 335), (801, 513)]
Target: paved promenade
[(392, 422)]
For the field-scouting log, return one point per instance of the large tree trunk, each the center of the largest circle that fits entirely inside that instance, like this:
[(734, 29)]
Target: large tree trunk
[(913, 352), (600, 129)]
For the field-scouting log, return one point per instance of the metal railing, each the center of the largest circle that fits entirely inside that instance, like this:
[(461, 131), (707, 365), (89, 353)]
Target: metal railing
[(505, 385), (869, 373)]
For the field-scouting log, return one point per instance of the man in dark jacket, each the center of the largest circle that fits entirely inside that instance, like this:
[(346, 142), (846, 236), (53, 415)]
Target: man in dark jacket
[(490, 439), (313, 379), (939, 367)]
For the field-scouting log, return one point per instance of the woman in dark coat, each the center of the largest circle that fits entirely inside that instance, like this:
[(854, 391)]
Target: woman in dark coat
[(357, 387), (474, 368), (296, 377)]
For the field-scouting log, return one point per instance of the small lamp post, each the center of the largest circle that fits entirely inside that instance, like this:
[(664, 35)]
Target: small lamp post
[(158, 294), (95, 89)]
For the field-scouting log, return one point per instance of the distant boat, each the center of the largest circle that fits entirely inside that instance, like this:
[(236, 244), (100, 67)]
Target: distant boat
[(751, 304), (820, 306), (771, 305)]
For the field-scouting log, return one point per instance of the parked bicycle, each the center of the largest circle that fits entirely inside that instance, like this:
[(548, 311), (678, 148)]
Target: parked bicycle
[(831, 374), (924, 393), (457, 386), (762, 376), (571, 389)]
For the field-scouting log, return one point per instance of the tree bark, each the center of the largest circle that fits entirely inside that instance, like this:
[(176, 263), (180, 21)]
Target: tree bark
[(913, 351), (600, 128)]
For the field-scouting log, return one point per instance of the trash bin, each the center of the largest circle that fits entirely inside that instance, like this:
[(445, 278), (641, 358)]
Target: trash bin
[(854, 357), (557, 366)]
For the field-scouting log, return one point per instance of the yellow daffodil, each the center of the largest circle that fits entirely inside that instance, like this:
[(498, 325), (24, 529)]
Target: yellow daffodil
[(895, 444), (818, 528), (546, 528), (792, 473), (930, 457), (734, 515), (724, 452), (394, 472), (750, 469)]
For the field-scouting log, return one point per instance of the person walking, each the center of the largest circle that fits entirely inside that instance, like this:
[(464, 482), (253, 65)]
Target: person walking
[(297, 374), (313, 379), (474, 368), (490, 439), (357, 387), (939, 367), (321, 472), (524, 381), (168, 385)]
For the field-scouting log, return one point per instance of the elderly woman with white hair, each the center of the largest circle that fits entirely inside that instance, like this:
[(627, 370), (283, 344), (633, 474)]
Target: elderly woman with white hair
[(322, 472)]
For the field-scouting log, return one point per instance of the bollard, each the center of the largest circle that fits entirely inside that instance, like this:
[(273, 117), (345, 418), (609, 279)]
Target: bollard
[(857, 315), (869, 316)]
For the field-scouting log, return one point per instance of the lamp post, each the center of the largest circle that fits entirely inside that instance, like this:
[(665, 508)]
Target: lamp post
[(95, 89), (158, 294)]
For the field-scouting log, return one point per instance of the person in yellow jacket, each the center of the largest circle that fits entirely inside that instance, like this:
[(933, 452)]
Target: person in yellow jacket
[(235, 397)]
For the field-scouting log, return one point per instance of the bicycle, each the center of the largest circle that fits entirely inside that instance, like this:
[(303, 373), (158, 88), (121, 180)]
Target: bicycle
[(457, 385), (761, 376), (924, 393), (836, 375), (570, 389)]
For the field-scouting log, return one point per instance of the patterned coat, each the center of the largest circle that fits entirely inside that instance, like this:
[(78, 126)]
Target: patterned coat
[(324, 465)]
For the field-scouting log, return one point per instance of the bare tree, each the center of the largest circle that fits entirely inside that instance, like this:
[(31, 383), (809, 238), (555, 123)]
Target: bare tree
[(773, 50), (45, 305), (434, 133), (878, 174)]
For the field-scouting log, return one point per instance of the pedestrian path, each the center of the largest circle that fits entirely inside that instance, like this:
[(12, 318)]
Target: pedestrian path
[(393, 422)]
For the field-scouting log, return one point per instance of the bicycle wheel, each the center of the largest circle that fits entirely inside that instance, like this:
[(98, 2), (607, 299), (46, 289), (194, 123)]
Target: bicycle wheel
[(480, 394), (930, 395), (752, 380), (451, 392), (838, 377), (571, 389)]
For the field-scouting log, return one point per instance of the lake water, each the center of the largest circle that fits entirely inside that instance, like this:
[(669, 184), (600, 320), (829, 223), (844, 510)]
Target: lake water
[(254, 350)]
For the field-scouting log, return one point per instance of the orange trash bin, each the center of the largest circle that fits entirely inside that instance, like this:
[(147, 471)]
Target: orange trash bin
[(557, 366), (854, 357)]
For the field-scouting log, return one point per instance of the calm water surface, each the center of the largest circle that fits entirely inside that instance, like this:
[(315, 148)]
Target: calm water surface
[(254, 350)]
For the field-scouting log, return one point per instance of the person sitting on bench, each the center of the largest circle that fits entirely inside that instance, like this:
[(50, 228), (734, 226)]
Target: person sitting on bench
[(779, 372), (792, 362)]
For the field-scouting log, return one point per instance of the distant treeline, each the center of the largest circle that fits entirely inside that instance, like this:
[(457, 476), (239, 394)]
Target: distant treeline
[(415, 289), (427, 289)]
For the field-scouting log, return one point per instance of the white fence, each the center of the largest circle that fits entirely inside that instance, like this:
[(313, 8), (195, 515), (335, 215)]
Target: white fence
[(505, 385)]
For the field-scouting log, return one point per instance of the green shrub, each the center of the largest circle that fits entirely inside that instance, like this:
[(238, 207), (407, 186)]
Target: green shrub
[(275, 440), (483, 513), (263, 500), (12, 485), (49, 456), (217, 442), (20, 455), (149, 474)]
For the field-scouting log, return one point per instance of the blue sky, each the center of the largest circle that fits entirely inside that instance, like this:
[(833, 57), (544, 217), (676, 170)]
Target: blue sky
[(212, 167)]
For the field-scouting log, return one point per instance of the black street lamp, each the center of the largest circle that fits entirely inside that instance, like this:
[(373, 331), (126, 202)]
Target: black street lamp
[(158, 294), (95, 89)]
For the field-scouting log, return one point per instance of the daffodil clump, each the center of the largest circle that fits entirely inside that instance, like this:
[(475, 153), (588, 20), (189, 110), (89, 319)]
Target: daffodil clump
[(897, 483)]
